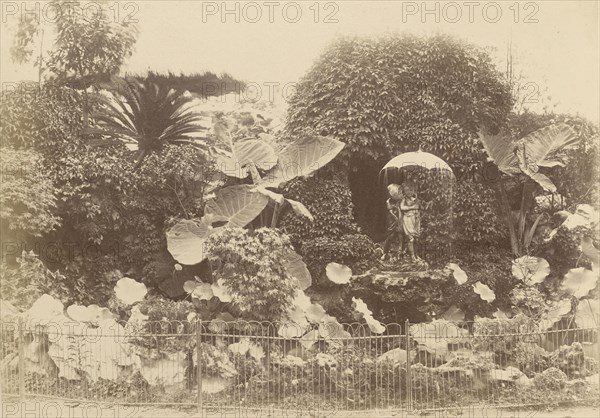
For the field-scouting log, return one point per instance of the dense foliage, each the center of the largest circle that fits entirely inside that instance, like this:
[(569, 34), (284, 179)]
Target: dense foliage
[(357, 251), (330, 203), (27, 195), (97, 197), (203, 84), (395, 93), (251, 265), (333, 235)]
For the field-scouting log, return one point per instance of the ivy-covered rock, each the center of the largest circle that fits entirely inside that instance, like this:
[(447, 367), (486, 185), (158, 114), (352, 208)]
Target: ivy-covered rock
[(330, 203), (397, 296)]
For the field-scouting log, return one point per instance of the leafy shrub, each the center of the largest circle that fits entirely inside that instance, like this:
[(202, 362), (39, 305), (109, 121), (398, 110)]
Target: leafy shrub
[(530, 357), (330, 203), (571, 360), (27, 195), (357, 251), (550, 379), (22, 286), (165, 316), (252, 267), (476, 214)]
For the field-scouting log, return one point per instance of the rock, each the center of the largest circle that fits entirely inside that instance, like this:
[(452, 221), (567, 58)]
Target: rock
[(8, 313), (510, 374), (593, 379), (550, 379), (399, 295), (168, 370), (214, 384), (524, 381), (398, 356)]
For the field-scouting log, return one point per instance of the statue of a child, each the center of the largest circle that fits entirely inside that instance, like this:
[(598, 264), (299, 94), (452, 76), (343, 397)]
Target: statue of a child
[(411, 219), (394, 220)]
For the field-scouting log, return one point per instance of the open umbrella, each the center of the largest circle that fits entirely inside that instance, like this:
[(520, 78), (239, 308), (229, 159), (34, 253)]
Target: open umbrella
[(412, 160), (417, 158)]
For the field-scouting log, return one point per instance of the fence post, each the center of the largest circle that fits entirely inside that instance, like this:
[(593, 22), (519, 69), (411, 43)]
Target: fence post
[(408, 374), (21, 361), (199, 364)]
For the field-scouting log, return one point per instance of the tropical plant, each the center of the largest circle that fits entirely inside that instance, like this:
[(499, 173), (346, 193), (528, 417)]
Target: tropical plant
[(239, 205), (148, 117), (252, 266), (521, 160)]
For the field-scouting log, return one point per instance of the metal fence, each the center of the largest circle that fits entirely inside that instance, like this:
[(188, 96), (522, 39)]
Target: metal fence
[(289, 369)]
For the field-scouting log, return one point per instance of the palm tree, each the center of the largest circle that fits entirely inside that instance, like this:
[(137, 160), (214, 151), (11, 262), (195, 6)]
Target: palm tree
[(147, 117), (521, 160)]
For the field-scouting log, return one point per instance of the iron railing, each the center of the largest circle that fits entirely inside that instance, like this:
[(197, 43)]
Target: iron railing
[(291, 369)]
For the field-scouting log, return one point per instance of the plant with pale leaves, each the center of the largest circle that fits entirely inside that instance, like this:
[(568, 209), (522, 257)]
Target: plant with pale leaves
[(522, 159), (484, 292), (459, 274), (530, 270), (238, 205), (435, 336), (338, 273), (365, 313), (130, 291)]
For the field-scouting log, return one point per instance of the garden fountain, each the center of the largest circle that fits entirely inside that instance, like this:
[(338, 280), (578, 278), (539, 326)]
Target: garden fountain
[(425, 219)]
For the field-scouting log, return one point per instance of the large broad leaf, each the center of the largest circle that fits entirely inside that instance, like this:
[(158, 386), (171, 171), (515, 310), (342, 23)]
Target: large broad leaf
[(185, 241), (300, 209), (338, 273), (459, 274), (579, 282), (301, 159), (556, 311), (361, 307), (591, 252), (531, 270), (276, 197), (484, 292), (454, 314), (236, 205), (501, 150), (130, 291), (297, 268), (255, 151), (251, 151), (546, 147)]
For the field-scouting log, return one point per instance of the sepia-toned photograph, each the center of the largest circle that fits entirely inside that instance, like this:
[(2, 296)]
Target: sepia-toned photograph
[(332, 209)]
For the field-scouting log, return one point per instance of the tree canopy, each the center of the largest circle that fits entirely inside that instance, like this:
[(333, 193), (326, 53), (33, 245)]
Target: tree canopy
[(397, 93)]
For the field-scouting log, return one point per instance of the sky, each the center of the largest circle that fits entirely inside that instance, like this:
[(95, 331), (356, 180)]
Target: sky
[(555, 44)]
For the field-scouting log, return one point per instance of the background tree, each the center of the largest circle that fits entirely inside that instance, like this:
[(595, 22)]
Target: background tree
[(89, 44), (396, 93)]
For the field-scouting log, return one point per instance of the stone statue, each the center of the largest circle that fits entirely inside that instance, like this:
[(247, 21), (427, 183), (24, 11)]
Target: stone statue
[(394, 220), (411, 219)]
